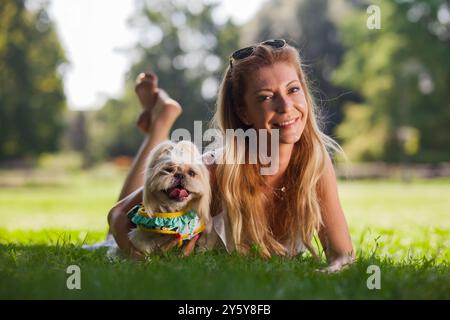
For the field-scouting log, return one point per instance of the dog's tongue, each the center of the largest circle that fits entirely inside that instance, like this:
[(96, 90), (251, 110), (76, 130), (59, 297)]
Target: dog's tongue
[(178, 193)]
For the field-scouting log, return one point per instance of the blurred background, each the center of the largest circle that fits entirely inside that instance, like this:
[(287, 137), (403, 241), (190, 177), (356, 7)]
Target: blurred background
[(68, 108), (67, 71)]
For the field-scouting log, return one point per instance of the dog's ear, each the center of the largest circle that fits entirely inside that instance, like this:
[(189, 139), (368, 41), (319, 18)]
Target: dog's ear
[(205, 201), (159, 151), (187, 152), (149, 202), (204, 213), (201, 206), (156, 155)]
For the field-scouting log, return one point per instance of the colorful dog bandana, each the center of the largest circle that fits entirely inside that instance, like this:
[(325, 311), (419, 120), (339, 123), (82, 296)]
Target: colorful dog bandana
[(183, 224)]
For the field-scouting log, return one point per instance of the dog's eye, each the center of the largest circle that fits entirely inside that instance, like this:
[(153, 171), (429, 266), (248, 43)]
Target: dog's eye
[(192, 173), (168, 169)]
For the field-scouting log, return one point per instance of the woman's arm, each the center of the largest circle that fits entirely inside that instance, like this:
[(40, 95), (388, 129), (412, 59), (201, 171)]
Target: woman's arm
[(120, 225), (334, 234)]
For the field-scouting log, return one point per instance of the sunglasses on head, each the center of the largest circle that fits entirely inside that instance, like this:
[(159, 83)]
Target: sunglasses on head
[(248, 51)]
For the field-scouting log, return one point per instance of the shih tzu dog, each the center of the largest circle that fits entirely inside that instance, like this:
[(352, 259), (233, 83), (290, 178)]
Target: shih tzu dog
[(176, 198)]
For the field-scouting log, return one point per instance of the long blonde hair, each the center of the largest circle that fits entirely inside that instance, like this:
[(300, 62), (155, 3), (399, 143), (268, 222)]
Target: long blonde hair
[(240, 186)]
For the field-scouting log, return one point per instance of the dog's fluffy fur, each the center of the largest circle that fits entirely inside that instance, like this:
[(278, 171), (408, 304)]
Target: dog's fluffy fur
[(175, 179)]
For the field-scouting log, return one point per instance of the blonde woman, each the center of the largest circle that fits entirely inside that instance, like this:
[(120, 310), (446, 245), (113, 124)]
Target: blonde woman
[(264, 87)]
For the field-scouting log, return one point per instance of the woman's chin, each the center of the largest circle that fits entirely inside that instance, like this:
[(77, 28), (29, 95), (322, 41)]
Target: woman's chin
[(292, 139), (291, 135)]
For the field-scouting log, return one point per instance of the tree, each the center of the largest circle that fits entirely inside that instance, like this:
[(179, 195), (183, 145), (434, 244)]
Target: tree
[(191, 54), (402, 71), (188, 50), (32, 99)]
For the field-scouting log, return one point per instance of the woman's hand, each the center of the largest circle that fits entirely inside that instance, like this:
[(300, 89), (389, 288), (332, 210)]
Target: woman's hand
[(338, 264), (187, 249), (121, 226), (333, 234)]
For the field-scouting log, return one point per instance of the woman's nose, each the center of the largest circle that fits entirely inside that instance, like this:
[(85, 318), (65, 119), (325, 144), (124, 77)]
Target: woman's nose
[(283, 104)]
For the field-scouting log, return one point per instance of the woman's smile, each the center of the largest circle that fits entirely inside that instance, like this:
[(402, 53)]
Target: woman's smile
[(286, 124)]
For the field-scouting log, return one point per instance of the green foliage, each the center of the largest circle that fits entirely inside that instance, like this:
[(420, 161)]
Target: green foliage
[(112, 130), (183, 45), (402, 71), (31, 92)]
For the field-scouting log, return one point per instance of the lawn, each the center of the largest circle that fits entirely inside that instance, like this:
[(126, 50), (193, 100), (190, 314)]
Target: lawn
[(45, 215)]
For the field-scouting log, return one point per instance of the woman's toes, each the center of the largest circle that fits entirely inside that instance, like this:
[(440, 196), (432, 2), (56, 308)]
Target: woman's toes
[(146, 89), (154, 79)]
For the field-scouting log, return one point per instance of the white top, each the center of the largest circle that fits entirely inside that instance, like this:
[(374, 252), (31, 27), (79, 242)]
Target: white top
[(221, 223), (222, 228)]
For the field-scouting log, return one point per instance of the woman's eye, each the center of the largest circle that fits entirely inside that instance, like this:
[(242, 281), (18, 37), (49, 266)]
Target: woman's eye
[(192, 173), (294, 89), (265, 98)]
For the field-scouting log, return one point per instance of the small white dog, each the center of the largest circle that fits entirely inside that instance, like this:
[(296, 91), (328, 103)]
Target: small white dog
[(176, 198)]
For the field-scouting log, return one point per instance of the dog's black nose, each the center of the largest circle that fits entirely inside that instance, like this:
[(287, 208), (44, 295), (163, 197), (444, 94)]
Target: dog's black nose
[(179, 176)]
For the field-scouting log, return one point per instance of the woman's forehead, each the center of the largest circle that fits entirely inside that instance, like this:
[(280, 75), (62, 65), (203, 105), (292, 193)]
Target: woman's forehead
[(272, 76)]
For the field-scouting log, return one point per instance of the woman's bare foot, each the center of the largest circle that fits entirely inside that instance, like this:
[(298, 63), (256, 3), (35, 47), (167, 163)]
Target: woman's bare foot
[(158, 107), (166, 109), (146, 89)]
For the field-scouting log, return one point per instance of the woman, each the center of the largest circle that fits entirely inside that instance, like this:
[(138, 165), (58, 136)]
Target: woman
[(264, 87)]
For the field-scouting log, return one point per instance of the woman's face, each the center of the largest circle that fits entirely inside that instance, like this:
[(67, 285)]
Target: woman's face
[(274, 99)]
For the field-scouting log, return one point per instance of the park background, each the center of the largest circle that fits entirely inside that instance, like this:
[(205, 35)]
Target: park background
[(383, 94)]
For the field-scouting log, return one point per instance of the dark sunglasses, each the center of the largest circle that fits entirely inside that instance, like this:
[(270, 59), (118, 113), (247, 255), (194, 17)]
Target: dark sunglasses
[(248, 51)]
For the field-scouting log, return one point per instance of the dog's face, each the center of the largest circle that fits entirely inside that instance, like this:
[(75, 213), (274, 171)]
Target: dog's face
[(176, 179)]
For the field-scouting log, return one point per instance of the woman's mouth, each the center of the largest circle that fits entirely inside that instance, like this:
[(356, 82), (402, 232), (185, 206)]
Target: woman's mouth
[(286, 124)]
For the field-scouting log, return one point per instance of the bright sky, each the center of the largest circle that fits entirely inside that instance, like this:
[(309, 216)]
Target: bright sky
[(93, 32)]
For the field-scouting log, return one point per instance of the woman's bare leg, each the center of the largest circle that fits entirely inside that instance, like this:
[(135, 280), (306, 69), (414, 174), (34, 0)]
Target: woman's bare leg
[(157, 117), (156, 125), (158, 132)]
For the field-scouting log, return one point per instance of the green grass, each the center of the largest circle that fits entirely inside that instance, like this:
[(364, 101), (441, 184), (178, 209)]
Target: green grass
[(46, 216)]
